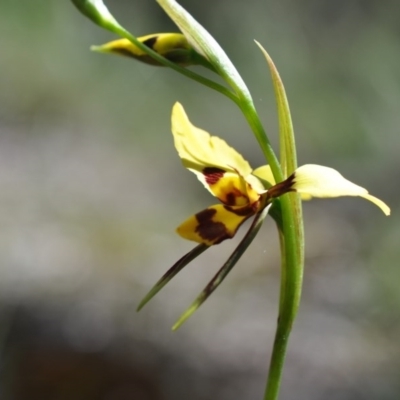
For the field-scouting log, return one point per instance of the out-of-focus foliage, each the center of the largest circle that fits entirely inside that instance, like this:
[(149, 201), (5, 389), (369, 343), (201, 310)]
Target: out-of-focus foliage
[(91, 190)]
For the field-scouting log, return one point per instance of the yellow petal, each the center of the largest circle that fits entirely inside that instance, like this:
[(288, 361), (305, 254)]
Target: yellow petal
[(198, 149), (254, 187), (214, 224), (319, 181), (265, 173)]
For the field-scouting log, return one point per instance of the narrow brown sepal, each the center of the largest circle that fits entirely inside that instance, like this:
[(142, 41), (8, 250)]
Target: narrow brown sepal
[(178, 266), (282, 187), (226, 268)]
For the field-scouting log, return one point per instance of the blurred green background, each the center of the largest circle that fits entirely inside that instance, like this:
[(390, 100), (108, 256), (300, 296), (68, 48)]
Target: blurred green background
[(91, 190)]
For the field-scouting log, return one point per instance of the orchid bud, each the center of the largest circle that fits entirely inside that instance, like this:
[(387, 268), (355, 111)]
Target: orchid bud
[(173, 46)]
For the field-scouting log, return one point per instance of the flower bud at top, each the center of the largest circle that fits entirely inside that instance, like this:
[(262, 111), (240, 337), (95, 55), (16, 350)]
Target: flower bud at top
[(172, 46)]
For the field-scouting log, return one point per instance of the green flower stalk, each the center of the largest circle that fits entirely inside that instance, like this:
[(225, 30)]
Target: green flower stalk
[(276, 189)]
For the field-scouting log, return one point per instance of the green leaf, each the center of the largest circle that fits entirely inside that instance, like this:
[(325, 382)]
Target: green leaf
[(286, 133), (288, 155)]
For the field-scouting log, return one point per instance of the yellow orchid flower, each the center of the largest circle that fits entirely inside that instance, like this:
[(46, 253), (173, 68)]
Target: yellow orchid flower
[(242, 191)]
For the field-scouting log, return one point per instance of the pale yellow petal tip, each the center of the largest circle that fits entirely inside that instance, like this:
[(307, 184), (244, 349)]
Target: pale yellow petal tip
[(99, 49), (383, 206), (319, 181), (177, 107)]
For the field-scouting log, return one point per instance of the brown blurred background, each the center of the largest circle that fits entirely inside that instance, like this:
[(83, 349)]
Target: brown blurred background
[(91, 190)]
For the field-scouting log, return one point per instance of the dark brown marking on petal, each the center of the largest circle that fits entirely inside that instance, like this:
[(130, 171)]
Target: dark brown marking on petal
[(245, 211), (150, 42), (281, 188), (213, 174), (231, 199), (205, 215), (215, 232), (123, 52)]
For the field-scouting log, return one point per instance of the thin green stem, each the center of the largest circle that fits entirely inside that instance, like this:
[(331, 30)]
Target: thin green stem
[(291, 238), (291, 283), (283, 264), (277, 364), (247, 107)]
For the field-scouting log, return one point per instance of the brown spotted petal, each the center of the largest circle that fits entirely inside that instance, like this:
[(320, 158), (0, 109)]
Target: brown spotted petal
[(216, 223), (230, 188)]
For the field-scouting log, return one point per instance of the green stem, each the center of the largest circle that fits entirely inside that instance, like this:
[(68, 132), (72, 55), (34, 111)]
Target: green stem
[(247, 107), (291, 283), (283, 264), (292, 256), (292, 248), (277, 364)]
